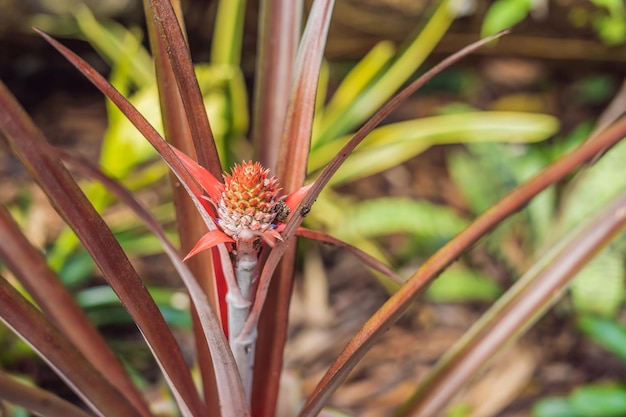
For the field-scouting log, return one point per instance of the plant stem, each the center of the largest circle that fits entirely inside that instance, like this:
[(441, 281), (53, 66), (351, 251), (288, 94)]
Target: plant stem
[(246, 262)]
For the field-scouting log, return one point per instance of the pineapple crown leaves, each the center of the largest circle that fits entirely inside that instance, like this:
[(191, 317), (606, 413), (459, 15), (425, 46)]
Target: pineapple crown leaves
[(247, 206)]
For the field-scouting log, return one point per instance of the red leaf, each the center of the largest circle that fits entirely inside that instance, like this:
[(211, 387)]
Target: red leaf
[(210, 184), (209, 240), (296, 197)]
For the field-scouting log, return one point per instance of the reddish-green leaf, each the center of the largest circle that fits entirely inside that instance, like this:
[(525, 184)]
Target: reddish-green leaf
[(366, 258), (182, 67), (189, 221), (29, 266), (136, 118), (37, 400), (231, 396), (39, 158), (296, 137), (30, 324), (291, 172), (279, 32)]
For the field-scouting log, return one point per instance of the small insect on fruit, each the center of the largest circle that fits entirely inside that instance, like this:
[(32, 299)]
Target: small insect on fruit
[(282, 211)]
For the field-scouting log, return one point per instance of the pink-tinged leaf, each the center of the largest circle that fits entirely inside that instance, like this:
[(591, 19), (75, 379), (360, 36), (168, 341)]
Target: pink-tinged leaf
[(30, 268), (280, 27), (367, 259), (136, 118), (231, 397), (229, 387), (293, 199), (208, 241), (148, 131), (36, 400), (53, 347), (189, 221), (68, 199), (182, 67), (296, 139), (291, 169), (210, 184)]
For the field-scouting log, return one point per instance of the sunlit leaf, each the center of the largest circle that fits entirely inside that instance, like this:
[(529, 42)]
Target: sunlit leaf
[(346, 118), (388, 215), (599, 400), (116, 44), (503, 14), (459, 285), (355, 83), (393, 144), (610, 334)]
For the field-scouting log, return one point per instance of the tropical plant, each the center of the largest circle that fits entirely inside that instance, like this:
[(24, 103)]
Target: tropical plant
[(369, 84), (252, 239)]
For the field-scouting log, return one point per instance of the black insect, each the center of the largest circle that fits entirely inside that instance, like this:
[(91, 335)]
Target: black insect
[(282, 211), (305, 210)]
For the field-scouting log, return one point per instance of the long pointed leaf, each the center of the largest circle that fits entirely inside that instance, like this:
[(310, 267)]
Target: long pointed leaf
[(69, 201), (395, 143), (296, 137), (30, 324), (367, 259), (148, 131), (232, 400), (291, 172), (29, 266), (37, 400), (417, 283), (182, 66), (279, 30), (189, 220), (136, 118), (339, 120)]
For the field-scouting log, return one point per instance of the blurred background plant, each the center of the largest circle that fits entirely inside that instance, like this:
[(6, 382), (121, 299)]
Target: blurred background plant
[(601, 399)]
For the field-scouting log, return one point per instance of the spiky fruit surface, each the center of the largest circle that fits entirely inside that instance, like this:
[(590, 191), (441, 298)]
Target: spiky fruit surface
[(248, 200)]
